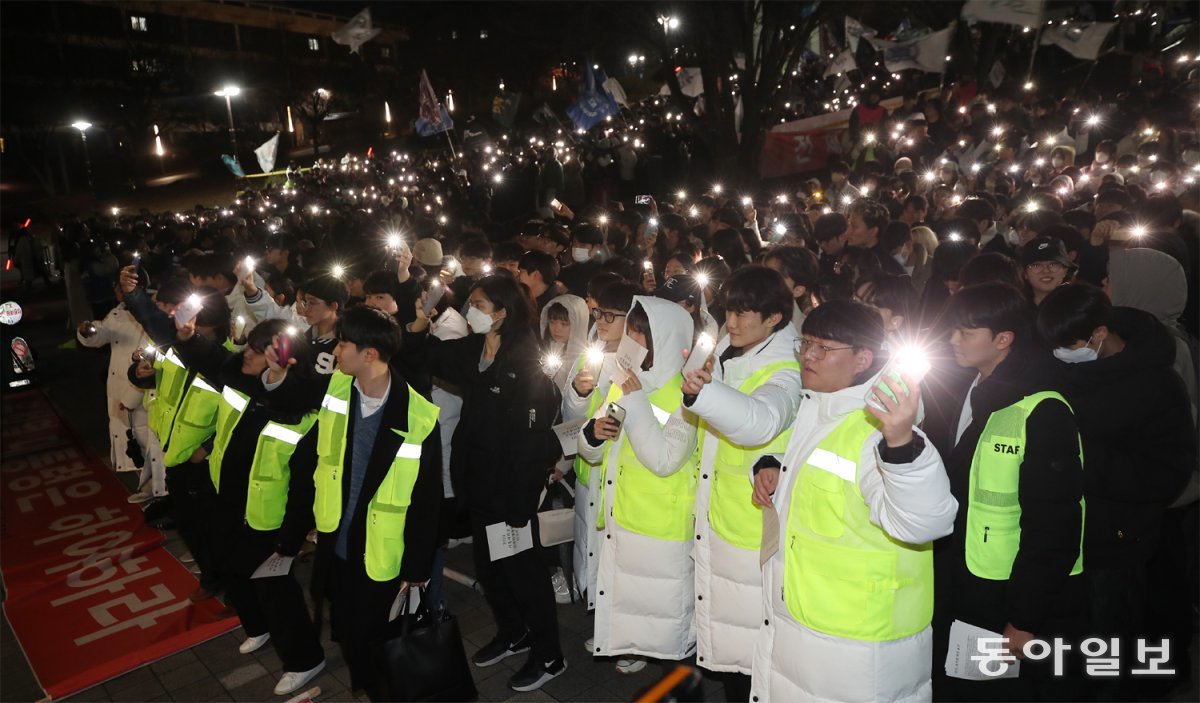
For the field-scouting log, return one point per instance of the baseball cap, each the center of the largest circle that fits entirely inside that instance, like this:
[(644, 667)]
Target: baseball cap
[(1045, 249), (428, 252)]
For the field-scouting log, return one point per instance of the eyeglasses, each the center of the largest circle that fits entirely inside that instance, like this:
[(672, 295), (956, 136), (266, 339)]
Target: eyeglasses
[(309, 302), (802, 346), (1050, 266), (608, 317)]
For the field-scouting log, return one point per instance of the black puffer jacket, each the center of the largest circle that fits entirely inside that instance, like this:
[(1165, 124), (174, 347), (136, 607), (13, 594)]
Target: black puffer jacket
[(1139, 445), (1039, 596)]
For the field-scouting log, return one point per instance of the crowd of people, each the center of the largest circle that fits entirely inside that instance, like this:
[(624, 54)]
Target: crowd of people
[(808, 429)]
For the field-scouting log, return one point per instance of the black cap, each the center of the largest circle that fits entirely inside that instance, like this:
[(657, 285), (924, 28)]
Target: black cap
[(1045, 249), (679, 289)]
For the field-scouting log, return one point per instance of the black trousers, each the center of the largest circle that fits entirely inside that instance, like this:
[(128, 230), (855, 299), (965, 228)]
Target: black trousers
[(358, 618), (518, 591), (193, 502), (269, 605)]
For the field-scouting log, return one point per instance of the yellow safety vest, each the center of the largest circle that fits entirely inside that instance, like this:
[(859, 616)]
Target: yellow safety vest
[(731, 510), (993, 508), (843, 575), (270, 473), (387, 512), (644, 502), (181, 413), (170, 383)]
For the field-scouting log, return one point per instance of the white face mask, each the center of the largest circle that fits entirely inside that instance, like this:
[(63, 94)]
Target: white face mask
[(1101, 157), (1082, 355), (1057, 162), (479, 321), (580, 254)]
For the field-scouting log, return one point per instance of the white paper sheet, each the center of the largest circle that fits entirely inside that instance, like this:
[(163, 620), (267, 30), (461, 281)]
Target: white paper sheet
[(505, 540), (964, 644), (568, 434), (275, 565)]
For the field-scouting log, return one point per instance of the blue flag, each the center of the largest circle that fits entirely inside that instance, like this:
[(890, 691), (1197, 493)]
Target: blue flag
[(425, 128), (594, 103), (233, 166)]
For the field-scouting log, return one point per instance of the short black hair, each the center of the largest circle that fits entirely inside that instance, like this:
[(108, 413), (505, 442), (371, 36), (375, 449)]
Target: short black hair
[(507, 251), (542, 263), (950, 257), (997, 307), (895, 235), (587, 234), (756, 288), (328, 289), (380, 283), (990, 266), (830, 225), (1079, 219), (1071, 313), (798, 263), (475, 248), (976, 209), (617, 295), (916, 202), (215, 313), (874, 215), (368, 328), (599, 281), (173, 291), (892, 291), (1162, 210), (846, 321)]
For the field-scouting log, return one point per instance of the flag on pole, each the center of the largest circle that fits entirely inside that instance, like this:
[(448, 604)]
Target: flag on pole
[(1023, 13), (616, 91), (844, 63), (434, 119), (358, 31), (234, 167), (1083, 40), (854, 31), (267, 152), (593, 105), (927, 53)]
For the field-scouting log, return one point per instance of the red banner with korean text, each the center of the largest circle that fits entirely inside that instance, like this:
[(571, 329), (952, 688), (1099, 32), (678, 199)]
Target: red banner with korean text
[(808, 144), (91, 592)]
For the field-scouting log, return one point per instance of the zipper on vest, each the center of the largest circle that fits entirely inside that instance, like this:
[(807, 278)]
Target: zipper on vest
[(985, 531)]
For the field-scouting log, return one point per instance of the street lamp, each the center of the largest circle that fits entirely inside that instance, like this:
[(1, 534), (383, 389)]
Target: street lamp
[(229, 92), (83, 127)]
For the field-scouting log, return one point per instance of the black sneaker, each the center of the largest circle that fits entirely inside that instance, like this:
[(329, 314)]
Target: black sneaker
[(536, 674), (498, 650)]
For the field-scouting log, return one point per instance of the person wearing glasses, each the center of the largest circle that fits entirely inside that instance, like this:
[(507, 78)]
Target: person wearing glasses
[(849, 520), (1046, 266), (321, 303), (746, 397), (586, 390)]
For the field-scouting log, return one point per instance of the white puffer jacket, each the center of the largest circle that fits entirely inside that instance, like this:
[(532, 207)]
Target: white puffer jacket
[(728, 578), (911, 503), (125, 335), (644, 588)]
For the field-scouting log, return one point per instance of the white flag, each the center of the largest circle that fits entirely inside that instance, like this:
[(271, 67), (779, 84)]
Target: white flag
[(691, 83), (855, 30), (844, 63), (1023, 13), (1079, 39), (996, 75), (267, 152), (358, 31), (927, 53), (614, 89)]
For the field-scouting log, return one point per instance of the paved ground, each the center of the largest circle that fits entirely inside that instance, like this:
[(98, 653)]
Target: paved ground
[(215, 671)]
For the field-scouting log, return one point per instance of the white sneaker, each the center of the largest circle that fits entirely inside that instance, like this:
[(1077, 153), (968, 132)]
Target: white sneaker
[(140, 497), (293, 680), (562, 592), (253, 644), (590, 645), (631, 665)]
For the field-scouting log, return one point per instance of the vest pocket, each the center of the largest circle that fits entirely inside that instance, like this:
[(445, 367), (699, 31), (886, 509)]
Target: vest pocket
[(992, 540), (732, 512), (822, 502), (385, 543), (840, 591)]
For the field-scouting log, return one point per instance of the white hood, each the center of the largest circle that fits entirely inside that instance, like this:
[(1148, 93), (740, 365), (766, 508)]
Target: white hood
[(671, 330), (577, 314)]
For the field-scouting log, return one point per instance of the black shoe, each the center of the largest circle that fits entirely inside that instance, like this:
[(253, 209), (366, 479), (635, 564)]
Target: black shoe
[(498, 650), (536, 674)]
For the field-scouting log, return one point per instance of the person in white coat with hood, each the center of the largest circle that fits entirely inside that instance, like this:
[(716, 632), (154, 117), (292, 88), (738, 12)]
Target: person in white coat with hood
[(564, 333), (746, 398), (644, 589), (125, 410), (847, 596)]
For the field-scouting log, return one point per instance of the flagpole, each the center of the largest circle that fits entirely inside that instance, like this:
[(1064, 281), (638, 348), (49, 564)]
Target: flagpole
[(1037, 39)]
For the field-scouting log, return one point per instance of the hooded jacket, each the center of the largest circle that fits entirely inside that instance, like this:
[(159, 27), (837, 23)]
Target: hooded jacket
[(577, 314), (1138, 444)]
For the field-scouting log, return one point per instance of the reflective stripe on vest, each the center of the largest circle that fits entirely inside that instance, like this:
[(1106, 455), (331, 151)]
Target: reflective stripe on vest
[(843, 575), (993, 509), (170, 383), (731, 511), (193, 423), (584, 469), (644, 502), (270, 474), (233, 405), (387, 511)]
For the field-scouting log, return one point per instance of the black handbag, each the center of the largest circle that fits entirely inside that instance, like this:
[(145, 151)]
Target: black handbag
[(422, 658)]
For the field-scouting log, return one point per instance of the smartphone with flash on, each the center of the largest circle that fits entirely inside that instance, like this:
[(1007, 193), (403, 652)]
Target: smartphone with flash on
[(555, 204), (641, 200)]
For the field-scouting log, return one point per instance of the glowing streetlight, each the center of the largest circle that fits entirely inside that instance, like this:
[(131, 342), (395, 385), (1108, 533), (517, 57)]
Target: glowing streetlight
[(229, 92), (83, 126)]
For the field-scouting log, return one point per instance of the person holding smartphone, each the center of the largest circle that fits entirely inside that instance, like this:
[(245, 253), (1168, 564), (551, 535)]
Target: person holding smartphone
[(852, 510), (647, 447)]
